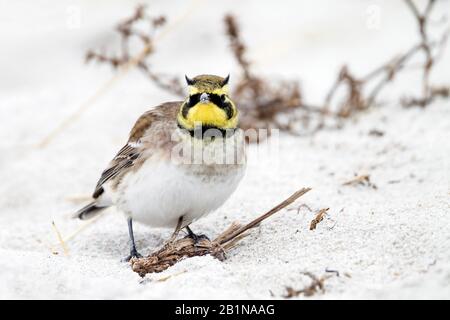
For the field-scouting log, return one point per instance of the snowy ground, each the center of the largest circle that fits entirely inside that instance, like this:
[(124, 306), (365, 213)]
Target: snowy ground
[(389, 242)]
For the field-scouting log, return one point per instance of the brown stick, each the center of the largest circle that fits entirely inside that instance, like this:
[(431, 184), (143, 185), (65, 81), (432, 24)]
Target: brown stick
[(358, 179), (186, 247), (318, 218), (317, 286), (422, 20), (257, 221)]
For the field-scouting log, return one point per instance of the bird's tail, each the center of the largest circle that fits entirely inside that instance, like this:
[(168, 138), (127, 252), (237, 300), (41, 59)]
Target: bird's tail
[(89, 211)]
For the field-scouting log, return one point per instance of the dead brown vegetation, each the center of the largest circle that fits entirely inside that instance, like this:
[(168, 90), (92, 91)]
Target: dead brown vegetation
[(316, 286), (128, 31), (318, 218), (363, 180), (268, 103), (179, 249)]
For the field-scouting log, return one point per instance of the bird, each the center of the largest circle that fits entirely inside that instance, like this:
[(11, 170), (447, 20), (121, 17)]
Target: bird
[(182, 161)]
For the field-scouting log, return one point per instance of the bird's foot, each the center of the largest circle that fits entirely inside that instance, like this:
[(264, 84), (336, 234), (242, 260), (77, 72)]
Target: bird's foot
[(133, 254), (197, 237)]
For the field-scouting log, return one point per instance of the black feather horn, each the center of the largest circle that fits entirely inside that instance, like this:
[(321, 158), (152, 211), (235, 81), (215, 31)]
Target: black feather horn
[(189, 81), (225, 81)]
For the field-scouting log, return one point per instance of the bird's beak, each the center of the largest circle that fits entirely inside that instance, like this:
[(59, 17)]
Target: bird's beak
[(204, 98)]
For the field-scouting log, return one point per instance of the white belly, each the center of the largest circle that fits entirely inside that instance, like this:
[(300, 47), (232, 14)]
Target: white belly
[(159, 193)]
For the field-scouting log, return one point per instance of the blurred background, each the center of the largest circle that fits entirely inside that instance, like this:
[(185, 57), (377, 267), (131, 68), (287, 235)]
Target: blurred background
[(44, 74)]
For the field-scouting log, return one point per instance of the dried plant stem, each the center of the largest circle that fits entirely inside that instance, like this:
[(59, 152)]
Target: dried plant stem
[(266, 103), (83, 227), (319, 217), (179, 249), (60, 239), (123, 70), (162, 279), (317, 285), (359, 98), (258, 220), (47, 245), (77, 199), (425, 44), (390, 69), (357, 179), (360, 180)]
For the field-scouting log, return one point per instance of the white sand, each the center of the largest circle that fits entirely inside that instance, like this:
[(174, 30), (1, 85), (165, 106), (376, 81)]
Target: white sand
[(393, 242)]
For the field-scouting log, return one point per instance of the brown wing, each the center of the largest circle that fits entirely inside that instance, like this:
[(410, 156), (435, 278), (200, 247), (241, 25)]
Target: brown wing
[(128, 155), (124, 159)]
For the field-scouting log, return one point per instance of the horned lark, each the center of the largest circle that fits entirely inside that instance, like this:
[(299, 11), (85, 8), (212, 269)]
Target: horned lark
[(182, 161)]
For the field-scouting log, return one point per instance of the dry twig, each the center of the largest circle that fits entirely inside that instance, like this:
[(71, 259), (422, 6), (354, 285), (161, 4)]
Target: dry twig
[(60, 239), (360, 180), (162, 279), (266, 103), (128, 31), (81, 228), (134, 61), (360, 98), (319, 217), (316, 286), (429, 93), (261, 100), (185, 247)]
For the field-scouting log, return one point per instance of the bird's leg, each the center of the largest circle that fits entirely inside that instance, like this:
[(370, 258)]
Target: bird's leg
[(195, 237), (133, 252), (177, 230)]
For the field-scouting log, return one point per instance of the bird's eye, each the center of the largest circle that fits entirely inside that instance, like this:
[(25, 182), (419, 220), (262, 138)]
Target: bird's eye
[(223, 97)]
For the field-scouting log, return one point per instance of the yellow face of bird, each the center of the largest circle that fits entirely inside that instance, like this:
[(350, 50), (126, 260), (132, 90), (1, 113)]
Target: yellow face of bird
[(208, 104)]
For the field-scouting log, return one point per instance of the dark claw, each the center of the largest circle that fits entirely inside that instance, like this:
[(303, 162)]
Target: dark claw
[(133, 254), (196, 237), (199, 237)]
